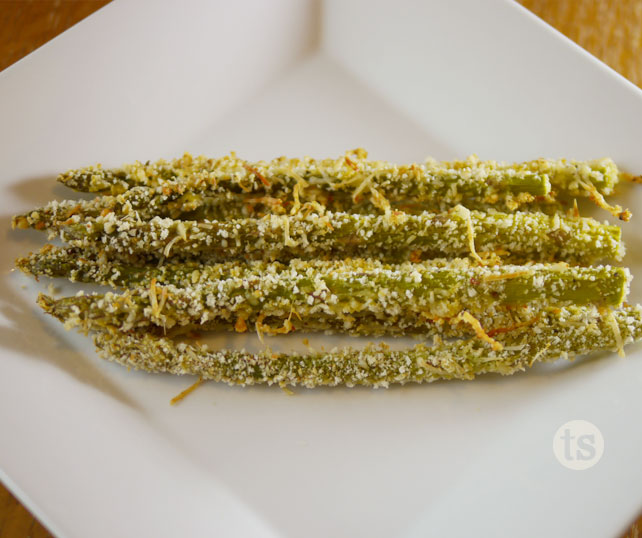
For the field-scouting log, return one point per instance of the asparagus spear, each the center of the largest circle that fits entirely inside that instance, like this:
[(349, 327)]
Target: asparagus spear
[(88, 266), (432, 179), (562, 333), (394, 237), (508, 284), (357, 324), (147, 203), (406, 296), (434, 185), (242, 176), (80, 265)]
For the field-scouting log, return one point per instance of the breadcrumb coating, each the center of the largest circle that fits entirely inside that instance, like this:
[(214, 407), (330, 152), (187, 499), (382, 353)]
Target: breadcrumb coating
[(524, 236), (565, 332), (471, 180)]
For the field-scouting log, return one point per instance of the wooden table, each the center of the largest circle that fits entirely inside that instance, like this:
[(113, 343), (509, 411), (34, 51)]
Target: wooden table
[(610, 29)]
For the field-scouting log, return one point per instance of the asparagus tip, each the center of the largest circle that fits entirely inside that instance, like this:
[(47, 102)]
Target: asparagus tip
[(47, 303)]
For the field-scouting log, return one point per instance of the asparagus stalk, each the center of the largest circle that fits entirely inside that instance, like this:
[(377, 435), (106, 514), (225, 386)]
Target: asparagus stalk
[(431, 180), (87, 266), (236, 174), (507, 284), (394, 237), (146, 203), (408, 296), (357, 324), (434, 185), (562, 333)]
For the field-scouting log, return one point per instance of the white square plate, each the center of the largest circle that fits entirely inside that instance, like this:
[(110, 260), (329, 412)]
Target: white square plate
[(97, 451)]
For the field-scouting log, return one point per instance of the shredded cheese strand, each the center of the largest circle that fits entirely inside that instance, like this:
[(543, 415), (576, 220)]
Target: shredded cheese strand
[(479, 330), (169, 246), (365, 184), (598, 199), (612, 322), (287, 240), (380, 201), (465, 214), (259, 327), (179, 397), (152, 298)]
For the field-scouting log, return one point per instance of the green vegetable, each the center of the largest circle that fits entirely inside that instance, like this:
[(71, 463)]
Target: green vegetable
[(564, 333), (509, 284), (356, 295), (396, 237), (432, 182)]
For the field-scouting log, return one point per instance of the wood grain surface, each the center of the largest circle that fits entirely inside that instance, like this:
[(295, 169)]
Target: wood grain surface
[(609, 29)]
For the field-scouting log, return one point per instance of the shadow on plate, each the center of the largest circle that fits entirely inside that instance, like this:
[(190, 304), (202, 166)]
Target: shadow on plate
[(28, 331)]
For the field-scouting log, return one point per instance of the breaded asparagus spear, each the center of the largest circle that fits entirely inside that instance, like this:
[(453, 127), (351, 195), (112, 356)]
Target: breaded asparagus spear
[(575, 284), (357, 324), (394, 237), (562, 333), (80, 265), (238, 175), (352, 173), (337, 183), (88, 266), (146, 203), (410, 296)]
